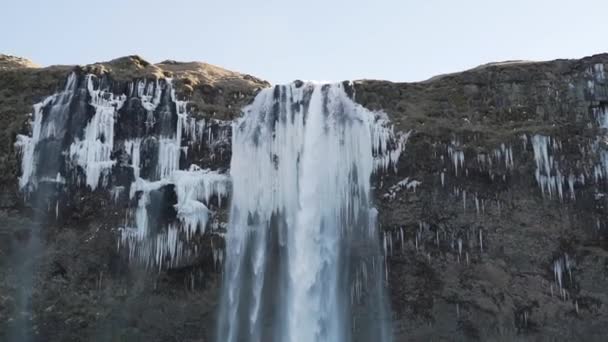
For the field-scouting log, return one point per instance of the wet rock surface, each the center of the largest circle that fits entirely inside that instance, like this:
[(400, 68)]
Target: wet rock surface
[(476, 249)]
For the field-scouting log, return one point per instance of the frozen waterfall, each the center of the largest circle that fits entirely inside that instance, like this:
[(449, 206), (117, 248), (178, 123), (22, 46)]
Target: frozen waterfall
[(303, 256), (302, 260)]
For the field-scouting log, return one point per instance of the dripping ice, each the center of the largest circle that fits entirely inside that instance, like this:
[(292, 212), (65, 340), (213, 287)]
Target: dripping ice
[(91, 151), (194, 189)]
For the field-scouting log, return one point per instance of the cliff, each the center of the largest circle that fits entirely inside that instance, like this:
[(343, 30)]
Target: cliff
[(505, 236), (493, 221)]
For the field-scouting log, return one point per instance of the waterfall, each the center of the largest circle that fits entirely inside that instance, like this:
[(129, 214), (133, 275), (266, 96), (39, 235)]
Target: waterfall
[(303, 256)]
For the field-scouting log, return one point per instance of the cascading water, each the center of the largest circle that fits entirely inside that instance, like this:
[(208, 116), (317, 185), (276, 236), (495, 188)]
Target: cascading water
[(303, 256)]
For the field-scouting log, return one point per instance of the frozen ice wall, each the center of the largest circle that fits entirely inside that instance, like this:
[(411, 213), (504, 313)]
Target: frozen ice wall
[(303, 257), (132, 146)]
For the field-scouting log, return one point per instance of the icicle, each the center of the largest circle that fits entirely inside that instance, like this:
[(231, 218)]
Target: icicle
[(571, 180), (402, 239), (116, 192), (385, 244), (524, 139), (133, 149), (193, 188), (548, 175), (459, 248)]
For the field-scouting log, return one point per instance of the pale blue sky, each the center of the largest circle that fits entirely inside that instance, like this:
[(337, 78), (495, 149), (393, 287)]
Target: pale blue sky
[(399, 40)]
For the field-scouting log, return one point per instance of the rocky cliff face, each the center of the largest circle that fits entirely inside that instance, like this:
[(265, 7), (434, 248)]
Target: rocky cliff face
[(494, 220), (65, 234), (504, 238)]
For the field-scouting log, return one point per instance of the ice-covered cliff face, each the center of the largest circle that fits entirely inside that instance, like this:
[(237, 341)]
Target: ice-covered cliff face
[(493, 224), (302, 223), (302, 247), (137, 147)]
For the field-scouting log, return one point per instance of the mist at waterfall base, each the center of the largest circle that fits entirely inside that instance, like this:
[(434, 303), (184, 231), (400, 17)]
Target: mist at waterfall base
[(302, 259), (303, 256)]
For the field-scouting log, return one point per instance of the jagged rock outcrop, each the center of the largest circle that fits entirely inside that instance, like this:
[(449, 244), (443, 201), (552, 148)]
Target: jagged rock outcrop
[(494, 220)]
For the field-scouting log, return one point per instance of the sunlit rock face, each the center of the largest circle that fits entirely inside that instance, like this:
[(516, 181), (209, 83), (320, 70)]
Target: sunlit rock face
[(302, 245)]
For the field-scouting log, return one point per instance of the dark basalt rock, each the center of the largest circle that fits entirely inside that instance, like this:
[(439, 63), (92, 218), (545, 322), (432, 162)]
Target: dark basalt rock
[(508, 290), (161, 210), (133, 118)]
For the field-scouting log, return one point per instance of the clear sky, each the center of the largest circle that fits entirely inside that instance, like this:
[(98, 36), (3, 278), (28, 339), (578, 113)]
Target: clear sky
[(283, 40)]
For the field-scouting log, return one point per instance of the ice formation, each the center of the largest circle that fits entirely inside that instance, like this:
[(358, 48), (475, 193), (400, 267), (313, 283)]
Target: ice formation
[(77, 134), (456, 155), (601, 116), (303, 155), (562, 271), (406, 184), (194, 188), (44, 129), (92, 153), (548, 174)]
